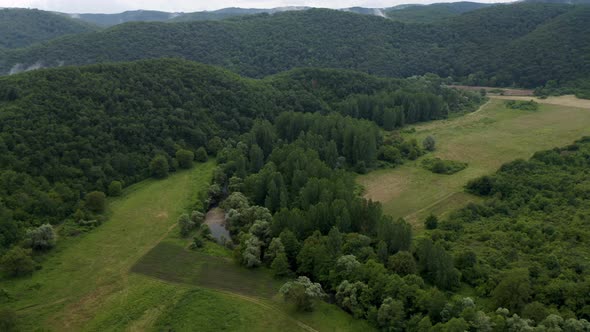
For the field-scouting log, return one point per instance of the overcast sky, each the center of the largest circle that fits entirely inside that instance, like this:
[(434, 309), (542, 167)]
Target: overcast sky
[(115, 6)]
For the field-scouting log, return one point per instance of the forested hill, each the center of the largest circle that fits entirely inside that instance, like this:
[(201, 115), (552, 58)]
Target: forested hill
[(432, 13), (68, 131), (106, 20), (481, 41), (23, 27)]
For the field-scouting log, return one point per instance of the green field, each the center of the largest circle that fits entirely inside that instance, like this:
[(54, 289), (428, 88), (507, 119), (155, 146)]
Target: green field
[(485, 140), (134, 273), (82, 275)]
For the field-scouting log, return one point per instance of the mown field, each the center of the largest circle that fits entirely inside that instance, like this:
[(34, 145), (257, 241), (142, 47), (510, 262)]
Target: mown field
[(134, 273), (485, 139), (83, 277)]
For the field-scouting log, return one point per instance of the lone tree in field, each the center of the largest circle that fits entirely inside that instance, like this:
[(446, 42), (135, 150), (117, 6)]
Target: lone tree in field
[(95, 201), (159, 167), (185, 158), (302, 292), (429, 143)]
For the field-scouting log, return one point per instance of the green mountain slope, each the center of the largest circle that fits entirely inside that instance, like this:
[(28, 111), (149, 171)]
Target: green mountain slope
[(68, 131), (432, 13), (256, 46), (23, 27), (107, 20)]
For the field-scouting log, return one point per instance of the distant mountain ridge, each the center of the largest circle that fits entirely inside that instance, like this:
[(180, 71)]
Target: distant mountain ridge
[(24, 27), (483, 46), (107, 20)]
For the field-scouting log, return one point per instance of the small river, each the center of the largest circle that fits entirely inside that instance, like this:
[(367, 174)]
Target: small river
[(215, 219)]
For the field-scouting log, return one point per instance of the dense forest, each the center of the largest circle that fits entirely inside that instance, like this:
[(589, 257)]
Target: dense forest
[(485, 46), (24, 27), (431, 13), (514, 263), (69, 132), (300, 104), (405, 13)]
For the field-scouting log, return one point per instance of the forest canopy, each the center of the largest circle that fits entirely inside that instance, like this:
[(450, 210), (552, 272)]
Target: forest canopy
[(71, 131), (501, 45)]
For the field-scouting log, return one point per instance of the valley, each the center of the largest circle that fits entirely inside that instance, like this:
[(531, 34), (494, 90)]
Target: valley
[(407, 168), (485, 139)]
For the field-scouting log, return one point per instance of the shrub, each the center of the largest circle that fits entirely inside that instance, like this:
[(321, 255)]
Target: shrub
[(198, 242), (115, 188), (185, 224), (530, 105), (302, 292), (159, 167), (197, 217), (95, 201), (41, 238), (429, 143), (201, 155), (185, 158), (17, 262), (431, 222), (439, 166)]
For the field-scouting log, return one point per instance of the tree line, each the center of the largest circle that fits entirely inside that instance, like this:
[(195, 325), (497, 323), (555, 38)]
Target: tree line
[(291, 210)]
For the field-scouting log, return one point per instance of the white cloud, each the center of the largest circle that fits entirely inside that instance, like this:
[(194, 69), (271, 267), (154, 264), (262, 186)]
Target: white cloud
[(115, 6)]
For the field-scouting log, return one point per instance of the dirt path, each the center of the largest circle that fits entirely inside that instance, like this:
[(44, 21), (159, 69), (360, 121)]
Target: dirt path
[(268, 307), (479, 109), (412, 216)]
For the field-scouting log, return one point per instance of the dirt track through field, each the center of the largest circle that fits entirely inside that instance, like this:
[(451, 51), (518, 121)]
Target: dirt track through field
[(268, 307)]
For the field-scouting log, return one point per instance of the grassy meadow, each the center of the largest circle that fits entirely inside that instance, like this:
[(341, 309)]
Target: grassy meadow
[(85, 274), (485, 140), (134, 273)]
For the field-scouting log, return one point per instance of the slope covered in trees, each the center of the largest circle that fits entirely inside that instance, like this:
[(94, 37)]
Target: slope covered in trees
[(106, 20), (526, 247), (432, 13), (521, 256), (68, 132), (24, 27), (477, 47)]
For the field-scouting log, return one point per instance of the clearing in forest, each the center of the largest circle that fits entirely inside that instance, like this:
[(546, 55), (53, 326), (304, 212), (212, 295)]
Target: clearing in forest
[(485, 140), (85, 278), (135, 273)]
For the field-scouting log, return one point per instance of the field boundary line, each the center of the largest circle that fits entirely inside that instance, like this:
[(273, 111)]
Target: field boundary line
[(431, 205), (480, 108)]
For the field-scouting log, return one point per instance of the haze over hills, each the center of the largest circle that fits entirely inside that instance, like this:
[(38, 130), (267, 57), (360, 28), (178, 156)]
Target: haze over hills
[(23, 27), (482, 42), (432, 13), (406, 13), (106, 20)]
